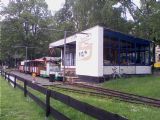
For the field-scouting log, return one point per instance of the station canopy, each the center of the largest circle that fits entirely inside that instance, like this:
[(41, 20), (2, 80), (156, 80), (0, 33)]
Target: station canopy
[(121, 36)]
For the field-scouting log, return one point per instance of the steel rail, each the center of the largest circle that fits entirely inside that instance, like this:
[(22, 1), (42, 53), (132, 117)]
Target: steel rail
[(121, 95)]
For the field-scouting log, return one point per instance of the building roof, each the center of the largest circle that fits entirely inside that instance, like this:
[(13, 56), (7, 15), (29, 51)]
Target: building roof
[(61, 42), (107, 33), (126, 37)]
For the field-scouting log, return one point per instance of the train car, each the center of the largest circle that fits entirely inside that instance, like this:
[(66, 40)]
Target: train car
[(32, 66), (23, 66), (35, 66), (52, 66), (41, 67)]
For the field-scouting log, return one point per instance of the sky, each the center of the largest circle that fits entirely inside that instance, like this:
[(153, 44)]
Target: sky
[(55, 5), (137, 2)]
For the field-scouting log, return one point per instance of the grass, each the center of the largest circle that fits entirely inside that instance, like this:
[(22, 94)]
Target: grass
[(128, 110), (64, 109), (146, 86), (14, 106)]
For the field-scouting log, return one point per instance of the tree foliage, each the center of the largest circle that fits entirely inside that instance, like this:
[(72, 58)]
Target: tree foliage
[(145, 23), (25, 21), (88, 13), (23, 26), (146, 18)]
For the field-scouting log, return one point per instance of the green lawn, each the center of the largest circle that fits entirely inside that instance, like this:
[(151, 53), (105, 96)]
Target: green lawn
[(63, 108), (130, 111), (146, 86), (28, 110), (14, 106)]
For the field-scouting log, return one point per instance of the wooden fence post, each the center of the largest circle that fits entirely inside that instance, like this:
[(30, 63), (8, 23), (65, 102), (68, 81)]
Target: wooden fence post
[(48, 94), (25, 88), (15, 81)]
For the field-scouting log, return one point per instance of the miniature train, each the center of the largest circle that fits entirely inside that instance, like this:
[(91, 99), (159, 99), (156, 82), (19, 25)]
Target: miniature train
[(41, 67)]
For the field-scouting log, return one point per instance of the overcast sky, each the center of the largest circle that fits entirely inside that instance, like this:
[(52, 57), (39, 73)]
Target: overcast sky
[(55, 5)]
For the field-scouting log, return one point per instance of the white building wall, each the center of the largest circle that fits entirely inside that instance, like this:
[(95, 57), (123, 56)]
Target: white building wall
[(127, 69), (143, 70), (100, 50), (109, 70), (89, 52), (157, 53)]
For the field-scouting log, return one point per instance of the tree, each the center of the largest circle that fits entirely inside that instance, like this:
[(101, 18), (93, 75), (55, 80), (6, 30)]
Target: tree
[(145, 18), (148, 26), (63, 20), (23, 23), (83, 14)]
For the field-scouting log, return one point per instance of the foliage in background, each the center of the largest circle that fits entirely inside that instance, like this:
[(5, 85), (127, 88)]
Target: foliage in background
[(25, 19), (22, 26)]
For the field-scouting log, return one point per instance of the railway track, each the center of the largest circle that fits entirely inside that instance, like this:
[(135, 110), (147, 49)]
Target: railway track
[(103, 92), (78, 91), (122, 95)]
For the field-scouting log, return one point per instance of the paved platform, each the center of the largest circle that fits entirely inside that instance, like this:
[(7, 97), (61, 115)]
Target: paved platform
[(38, 80)]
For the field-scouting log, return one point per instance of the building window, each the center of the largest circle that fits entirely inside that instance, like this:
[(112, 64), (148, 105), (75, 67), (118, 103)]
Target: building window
[(122, 52), (111, 52), (70, 56), (127, 53), (70, 59)]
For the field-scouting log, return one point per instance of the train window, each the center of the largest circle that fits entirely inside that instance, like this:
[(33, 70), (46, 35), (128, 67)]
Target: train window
[(40, 64)]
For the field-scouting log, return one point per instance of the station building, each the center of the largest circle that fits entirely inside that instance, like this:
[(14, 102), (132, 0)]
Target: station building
[(157, 53), (100, 52)]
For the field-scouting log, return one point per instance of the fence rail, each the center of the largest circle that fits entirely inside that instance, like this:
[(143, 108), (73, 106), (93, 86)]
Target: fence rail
[(83, 107)]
